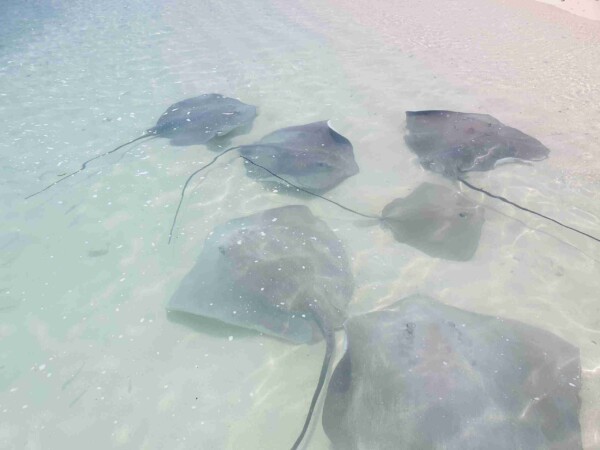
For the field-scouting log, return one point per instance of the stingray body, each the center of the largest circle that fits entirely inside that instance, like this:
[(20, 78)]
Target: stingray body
[(422, 375), (263, 271), (313, 156), (281, 271), (198, 120), (451, 142), (436, 220)]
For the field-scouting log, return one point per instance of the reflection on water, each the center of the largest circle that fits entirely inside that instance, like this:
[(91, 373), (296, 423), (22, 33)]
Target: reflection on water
[(90, 356)]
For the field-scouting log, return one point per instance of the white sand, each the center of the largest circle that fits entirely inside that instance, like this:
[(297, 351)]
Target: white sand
[(590, 9)]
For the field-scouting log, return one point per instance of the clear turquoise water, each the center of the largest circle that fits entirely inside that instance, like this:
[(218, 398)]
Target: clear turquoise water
[(89, 356)]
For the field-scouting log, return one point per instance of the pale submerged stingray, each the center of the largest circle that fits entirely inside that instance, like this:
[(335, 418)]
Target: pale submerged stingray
[(193, 121), (422, 375), (433, 219), (436, 220), (451, 142), (313, 156), (281, 271)]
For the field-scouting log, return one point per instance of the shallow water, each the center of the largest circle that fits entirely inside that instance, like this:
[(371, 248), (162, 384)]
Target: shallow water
[(88, 354)]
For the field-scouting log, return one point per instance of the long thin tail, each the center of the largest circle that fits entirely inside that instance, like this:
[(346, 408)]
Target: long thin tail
[(329, 349), (188, 182), (489, 194), (368, 216), (84, 165)]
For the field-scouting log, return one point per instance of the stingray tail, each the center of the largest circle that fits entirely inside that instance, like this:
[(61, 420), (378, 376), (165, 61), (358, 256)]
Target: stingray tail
[(206, 166), (314, 194), (497, 197), (329, 337), (84, 165)]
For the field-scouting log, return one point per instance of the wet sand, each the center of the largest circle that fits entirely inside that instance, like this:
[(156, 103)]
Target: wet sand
[(589, 9)]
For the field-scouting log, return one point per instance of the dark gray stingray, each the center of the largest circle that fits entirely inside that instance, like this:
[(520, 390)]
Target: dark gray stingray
[(451, 142), (436, 220), (313, 156), (281, 271), (422, 375), (198, 120), (194, 121)]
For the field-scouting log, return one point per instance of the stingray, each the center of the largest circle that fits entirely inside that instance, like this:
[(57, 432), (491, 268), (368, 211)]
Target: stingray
[(436, 220), (282, 272), (433, 219), (194, 121), (454, 143), (313, 156), (423, 375)]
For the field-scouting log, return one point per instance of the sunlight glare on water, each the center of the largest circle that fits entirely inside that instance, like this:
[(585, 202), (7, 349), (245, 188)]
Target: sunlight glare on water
[(89, 356)]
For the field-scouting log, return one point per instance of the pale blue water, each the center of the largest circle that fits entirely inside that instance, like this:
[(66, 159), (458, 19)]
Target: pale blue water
[(88, 354)]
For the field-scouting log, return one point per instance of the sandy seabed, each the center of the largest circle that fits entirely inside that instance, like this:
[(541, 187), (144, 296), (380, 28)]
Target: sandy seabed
[(89, 357)]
